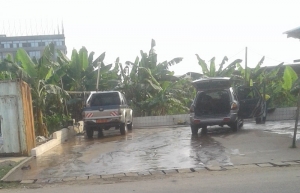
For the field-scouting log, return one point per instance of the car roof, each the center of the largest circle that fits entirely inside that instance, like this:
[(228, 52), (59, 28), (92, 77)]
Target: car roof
[(212, 83), (93, 92)]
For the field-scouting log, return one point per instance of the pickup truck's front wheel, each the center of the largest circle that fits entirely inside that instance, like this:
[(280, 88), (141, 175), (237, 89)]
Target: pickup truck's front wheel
[(89, 132), (123, 129)]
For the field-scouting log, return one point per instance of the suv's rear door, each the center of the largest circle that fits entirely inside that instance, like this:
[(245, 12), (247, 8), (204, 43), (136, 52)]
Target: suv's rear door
[(212, 83), (251, 102)]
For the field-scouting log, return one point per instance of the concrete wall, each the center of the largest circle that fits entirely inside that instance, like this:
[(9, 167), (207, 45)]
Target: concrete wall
[(160, 120), (168, 120), (58, 138)]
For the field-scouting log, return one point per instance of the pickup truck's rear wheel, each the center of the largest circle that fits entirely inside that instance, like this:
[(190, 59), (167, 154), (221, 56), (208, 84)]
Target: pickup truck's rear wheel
[(129, 126), (100, 132), (123, 129), (89, 132)]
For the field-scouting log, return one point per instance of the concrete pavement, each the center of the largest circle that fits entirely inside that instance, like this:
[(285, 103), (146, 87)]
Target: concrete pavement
[(163, 151)]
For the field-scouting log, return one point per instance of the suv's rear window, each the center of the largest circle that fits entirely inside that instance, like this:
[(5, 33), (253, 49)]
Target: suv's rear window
[(103, 99)]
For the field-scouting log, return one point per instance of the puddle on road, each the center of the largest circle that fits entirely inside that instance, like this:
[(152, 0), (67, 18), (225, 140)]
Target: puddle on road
[(279, 127), (142, 150)]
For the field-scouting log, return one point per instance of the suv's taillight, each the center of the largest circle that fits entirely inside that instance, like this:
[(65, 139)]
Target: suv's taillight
[(192, 109), (234, 106)]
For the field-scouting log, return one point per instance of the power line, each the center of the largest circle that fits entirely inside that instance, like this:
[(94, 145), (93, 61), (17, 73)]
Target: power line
[(268, 57), (237, 53)]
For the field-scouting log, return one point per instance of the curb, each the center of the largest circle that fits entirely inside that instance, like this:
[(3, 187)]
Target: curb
[(15, 168), (162, 126), (163, 172)]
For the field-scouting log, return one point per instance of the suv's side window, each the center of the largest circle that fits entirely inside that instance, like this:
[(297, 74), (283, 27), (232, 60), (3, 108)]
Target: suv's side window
[(234, 96)]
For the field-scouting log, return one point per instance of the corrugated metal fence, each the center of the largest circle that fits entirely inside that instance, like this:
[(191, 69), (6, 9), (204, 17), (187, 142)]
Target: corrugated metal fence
[(17, 124)]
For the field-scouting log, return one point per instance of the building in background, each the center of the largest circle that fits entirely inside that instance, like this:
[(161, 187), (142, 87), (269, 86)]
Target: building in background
[(34, 44)]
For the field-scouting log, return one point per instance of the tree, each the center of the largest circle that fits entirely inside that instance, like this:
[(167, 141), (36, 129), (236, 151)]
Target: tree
[(277, 80), (211, 71), (37, 73), (146, 80), (81, 75)]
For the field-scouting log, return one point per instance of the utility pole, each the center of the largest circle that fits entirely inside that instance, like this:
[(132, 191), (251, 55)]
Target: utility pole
[(97, 84), (246, 55), (296, 122)]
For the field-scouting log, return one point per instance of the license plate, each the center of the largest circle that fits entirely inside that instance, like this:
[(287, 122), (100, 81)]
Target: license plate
[(101, 121)]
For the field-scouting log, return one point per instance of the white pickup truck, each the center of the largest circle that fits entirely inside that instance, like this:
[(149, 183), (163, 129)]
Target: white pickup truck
[(105, 110)]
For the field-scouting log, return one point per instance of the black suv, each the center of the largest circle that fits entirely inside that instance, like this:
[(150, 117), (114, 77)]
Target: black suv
[(217, 103)]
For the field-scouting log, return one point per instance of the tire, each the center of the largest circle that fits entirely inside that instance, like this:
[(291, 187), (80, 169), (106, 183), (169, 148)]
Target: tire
[(242, 123), (129, 126), (258, 120), (235, 126), (100, 133), (89, 132), (194, 130), (123, 129), (264, 120), (204, 130)]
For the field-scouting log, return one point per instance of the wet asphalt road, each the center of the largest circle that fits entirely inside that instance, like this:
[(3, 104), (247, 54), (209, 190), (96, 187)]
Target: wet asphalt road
[(157, 149)]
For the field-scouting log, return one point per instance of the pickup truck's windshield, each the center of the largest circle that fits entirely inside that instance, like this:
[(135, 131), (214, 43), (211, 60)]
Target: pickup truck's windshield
[(103, 99)]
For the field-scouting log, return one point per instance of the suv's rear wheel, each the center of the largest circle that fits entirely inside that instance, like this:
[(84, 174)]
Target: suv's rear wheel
[(260, 120), (204, 130), (89, 132), (194, 130), (123, 129), (234, 126)]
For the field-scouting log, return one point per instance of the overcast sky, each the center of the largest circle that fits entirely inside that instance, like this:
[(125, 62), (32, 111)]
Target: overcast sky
[(181, 28)]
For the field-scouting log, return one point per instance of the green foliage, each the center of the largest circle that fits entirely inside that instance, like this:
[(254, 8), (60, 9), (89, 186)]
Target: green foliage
[(151, 86), (56, 121), (289, 77), (212, 72), (37, 73), (277, 80)]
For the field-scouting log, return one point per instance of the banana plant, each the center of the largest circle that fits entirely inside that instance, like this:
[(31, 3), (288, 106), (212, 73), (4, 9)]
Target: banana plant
[(144, 78), (211, 70), (37, 73)]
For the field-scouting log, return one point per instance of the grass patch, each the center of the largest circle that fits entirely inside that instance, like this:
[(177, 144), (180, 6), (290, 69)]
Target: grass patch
[(5, 167), (6, 185)]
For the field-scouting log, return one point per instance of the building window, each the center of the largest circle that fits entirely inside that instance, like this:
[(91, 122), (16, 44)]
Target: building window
[(36, 54), (26, 45), (41, 43), (6, 45), (47, 42), (34, 44)]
